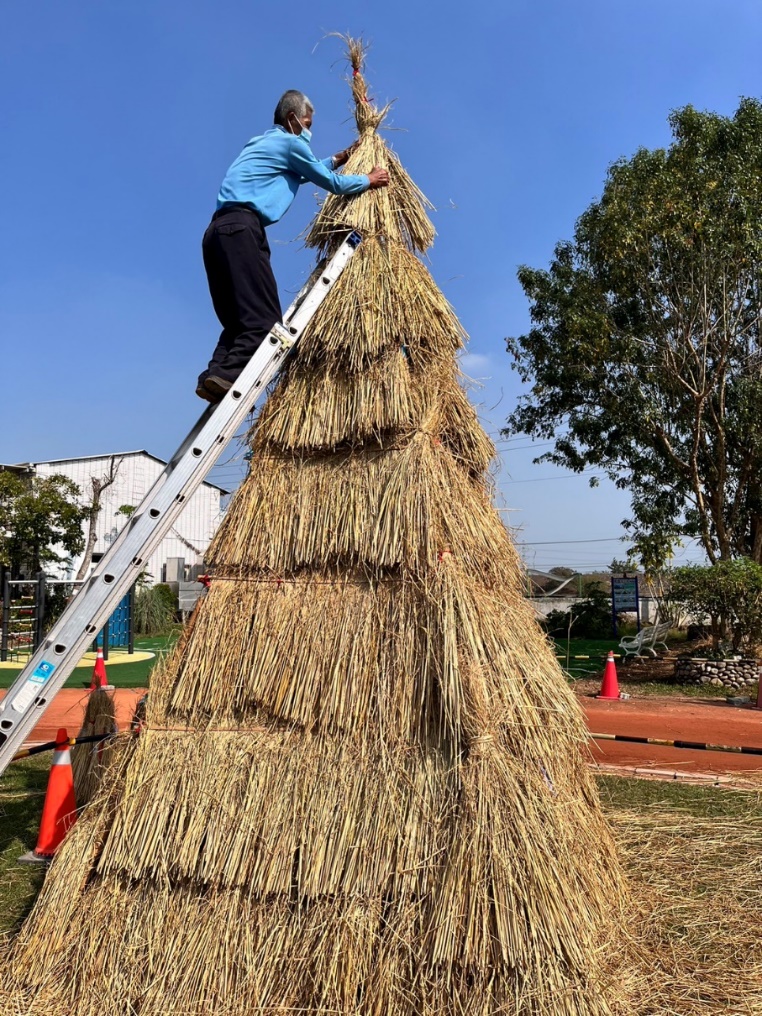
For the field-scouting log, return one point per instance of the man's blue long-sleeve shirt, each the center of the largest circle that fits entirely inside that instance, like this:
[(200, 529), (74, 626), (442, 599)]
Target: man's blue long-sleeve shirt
[(269, 171)]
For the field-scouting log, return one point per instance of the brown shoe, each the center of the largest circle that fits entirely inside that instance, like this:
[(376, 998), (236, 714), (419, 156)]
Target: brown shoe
[(217, 387), (204, 393)]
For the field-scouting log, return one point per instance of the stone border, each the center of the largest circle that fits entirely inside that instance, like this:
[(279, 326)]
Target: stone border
[(730, 673)]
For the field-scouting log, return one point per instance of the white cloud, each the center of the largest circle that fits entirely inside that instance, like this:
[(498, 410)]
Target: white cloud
[(476, 365)]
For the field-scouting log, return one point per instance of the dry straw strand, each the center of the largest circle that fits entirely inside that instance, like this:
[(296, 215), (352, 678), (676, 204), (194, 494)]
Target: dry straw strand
[(88, 761)]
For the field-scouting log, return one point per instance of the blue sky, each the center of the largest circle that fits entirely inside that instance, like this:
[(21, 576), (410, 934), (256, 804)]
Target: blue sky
[(120, 118)]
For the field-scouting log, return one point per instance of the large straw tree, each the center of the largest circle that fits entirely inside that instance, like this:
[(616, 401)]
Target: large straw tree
[(361, 788)]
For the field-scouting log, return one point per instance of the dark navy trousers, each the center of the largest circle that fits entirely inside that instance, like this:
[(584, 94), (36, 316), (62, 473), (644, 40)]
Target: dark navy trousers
[(242, 287)]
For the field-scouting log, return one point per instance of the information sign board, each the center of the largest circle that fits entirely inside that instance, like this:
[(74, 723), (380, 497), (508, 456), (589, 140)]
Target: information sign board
[(624, 599), (624, 593)]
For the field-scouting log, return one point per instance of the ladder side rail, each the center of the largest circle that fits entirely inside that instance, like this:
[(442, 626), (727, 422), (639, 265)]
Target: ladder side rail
[(89, 611), (289, 313), (49, 667)]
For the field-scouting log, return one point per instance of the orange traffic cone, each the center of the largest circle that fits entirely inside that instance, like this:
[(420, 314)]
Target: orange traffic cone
[(610, 685), (59, 813), (99, 679)]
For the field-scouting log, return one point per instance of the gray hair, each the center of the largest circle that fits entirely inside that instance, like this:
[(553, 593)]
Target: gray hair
[(292, 102)]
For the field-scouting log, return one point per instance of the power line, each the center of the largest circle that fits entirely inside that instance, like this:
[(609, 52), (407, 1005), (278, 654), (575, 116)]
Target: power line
[(601, 539), (545, 479), (503, 448), (544, 543), (524, 443)]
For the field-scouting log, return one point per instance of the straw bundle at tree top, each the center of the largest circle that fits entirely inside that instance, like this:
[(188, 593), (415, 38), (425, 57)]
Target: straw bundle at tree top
[(361, 788)]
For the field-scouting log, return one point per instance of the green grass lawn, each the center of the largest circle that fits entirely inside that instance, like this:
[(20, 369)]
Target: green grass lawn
[(584, 659), (121, 675), (620, 793), (22, 790)]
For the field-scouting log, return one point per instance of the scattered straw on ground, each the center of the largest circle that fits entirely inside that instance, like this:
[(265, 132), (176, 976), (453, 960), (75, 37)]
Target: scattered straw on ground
[(695, 891)]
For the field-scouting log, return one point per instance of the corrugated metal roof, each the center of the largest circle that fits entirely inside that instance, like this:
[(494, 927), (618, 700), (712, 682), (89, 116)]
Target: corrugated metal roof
[(116, 455)]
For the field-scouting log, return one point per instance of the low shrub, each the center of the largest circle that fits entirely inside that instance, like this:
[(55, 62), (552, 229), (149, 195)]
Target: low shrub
[(726, 595), (588, 619)]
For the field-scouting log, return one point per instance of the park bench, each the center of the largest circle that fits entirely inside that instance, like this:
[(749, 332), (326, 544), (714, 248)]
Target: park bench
[(646, 640)]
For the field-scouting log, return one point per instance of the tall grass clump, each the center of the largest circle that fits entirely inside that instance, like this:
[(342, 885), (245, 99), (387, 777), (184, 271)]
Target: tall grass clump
[(155, 610)]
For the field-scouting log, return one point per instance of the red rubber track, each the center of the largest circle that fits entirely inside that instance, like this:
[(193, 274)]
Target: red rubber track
[(687, 720), (709, 720)]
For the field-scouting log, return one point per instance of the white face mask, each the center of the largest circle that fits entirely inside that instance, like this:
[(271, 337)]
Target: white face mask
[(305, 132)]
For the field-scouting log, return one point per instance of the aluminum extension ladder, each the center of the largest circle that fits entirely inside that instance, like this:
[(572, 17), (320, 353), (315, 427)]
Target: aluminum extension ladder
[(63, 647)]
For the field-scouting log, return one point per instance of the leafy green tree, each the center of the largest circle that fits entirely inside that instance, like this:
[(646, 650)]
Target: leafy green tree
[(644, 357), (618, 567), (36, 516), (728, 594)]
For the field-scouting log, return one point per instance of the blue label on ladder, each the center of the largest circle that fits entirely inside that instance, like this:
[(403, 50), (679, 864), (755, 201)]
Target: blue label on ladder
[(42, 672), (31, 687)]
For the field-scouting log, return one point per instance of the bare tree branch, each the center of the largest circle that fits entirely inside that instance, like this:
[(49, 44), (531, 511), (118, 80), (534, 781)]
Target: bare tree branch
[(99, 484)]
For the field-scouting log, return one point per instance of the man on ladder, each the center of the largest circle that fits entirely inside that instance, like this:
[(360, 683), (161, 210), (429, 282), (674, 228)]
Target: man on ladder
[(62, 647), (257, 191)]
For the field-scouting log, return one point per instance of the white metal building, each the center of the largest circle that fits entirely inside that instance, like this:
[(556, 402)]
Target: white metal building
[(135, 474)]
